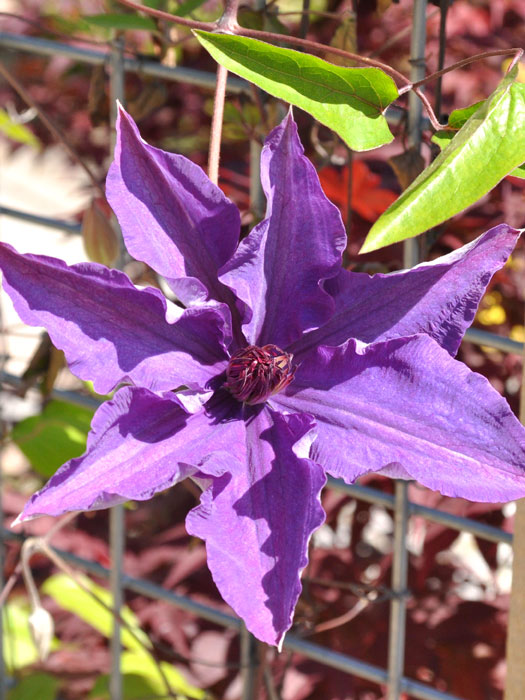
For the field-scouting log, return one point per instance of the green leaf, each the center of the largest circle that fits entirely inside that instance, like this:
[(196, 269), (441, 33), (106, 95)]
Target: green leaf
[(37, 685), (58, 434), (141, 678), (489, 146), (121, 21), (351, 101), (17, 132), (134, 662), (457, 119), (71, 597), (66, 25)]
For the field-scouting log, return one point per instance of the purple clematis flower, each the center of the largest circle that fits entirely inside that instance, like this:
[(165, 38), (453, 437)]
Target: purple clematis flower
[(290, 367)]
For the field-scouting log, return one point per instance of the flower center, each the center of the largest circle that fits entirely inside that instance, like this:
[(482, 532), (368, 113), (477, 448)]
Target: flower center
[(254, 373)]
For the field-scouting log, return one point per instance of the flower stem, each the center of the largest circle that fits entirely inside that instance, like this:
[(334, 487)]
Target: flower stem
[(228, 24), (216, 124)]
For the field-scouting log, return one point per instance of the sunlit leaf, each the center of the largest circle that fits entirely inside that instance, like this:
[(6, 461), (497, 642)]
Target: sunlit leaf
[(136, 661), (58, 434), (489, 146), (141, 678), (456, 120), (78, 601), (15, 131), (121, 21), (351, 101)]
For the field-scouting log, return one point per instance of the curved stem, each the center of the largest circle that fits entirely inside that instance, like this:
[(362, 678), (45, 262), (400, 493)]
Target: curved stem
[(216, 124), (192, 23), (233, 27), (267, 36), (517, 53)]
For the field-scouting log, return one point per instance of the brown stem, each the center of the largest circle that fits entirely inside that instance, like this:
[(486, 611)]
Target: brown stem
[(269, 36), (517, 53), (216, 124), (228, 20), (19, 88), (10, 584), (192, 23), (297, 41)]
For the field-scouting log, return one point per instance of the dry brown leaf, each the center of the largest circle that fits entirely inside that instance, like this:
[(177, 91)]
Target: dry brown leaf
[(407, 166), (345, 38)]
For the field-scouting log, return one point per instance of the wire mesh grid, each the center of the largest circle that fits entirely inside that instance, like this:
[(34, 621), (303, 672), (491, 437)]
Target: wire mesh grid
[(392, 677)]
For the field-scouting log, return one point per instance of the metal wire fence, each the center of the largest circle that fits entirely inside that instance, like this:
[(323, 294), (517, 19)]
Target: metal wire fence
[(392, 677)]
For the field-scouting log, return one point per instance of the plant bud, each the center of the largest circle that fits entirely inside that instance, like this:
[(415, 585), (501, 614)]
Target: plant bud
[(101, 241), (42, 630)]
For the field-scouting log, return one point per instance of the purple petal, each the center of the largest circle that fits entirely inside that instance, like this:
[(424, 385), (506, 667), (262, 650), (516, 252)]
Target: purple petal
[(277, 269), (407, 406), (257, 525), (172, 216), (439, 298), (139, 444), (112, 332)]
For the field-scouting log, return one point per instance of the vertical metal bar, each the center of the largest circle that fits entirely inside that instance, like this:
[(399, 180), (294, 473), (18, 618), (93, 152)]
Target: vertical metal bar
[(116, 516), (249, 665), (396, 641), (116, 543), (417, 72), (516, 632)]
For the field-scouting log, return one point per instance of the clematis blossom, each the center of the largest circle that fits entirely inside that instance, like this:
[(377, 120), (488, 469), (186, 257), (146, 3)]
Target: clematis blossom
[(291, 367)]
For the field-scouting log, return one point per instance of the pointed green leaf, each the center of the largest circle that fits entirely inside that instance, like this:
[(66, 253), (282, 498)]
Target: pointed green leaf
[(351, 101), (78, 601), (456, 120), (489, 146)]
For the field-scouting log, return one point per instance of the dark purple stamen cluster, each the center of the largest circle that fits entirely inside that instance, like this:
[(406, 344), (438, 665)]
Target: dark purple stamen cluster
[(254, 373)]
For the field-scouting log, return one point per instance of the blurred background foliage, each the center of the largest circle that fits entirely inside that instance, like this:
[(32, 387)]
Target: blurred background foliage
[(457, 614)]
